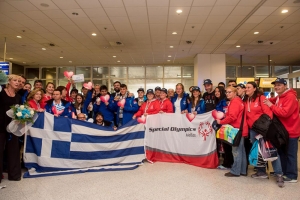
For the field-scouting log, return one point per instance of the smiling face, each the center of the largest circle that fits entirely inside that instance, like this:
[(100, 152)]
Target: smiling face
[(37, 96), (217, 93), (50, 88), (196, 93), (79, 99), (150, 96), (21, 82), (208, 88), (99, 119), (279, 88), (179, 89), (250, 89), (123, 91), (103, 92), (230, 93)]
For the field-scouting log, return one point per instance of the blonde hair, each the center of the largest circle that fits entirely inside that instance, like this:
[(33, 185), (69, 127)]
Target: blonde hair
[(10, 77), (180, 84), (233, 89), (32, 93)]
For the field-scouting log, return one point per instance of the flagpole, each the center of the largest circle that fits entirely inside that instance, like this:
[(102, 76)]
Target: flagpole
[(4, 56)]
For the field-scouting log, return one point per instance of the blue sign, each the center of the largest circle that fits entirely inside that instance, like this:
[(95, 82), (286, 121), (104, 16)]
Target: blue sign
[(4, 66)]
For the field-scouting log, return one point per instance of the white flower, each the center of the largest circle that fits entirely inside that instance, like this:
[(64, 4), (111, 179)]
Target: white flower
[(22, 107), (19, 114), (26, 116), (31, 112)]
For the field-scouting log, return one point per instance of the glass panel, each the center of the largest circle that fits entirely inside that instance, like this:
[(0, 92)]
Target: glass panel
[(188, 72), (100, 72), (246, 71), (118, 72), (111, 85), (171, 83), (230, 71), (101, 82), (32, 73), (86, 71), (61, 71), (262, 71), (187, 84), (154, 72), (295, 68), (49, 73), (136, 72), (172, 72), (281, 71), (135, 84), (153, 83)]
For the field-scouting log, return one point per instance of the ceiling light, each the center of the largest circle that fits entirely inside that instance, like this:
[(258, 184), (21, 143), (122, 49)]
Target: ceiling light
[(169, 56), (94, 34), (238, 46), (168, 60), (24, 62), (43, 49), (11, 58), (284, 11), (61, 57), (70, 61), (270, 60), (114, 56), (256, 33), (19, 36), (118, 61), (171, 46), (174, 33), (179, 11)]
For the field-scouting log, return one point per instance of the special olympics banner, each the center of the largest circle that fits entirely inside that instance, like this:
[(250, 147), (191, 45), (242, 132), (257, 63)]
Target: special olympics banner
[(181, 138), (59, 145)]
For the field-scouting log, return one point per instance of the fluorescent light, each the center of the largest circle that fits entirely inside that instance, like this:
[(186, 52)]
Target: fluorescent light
[(43, 49), (70, 61), (61, 57), (169, 56), (270, 60), (168, 60), (179, 11), (118, 61), (284, 11), (114, 56), (94, 34), (238, 46), (19, 36), (24, 62), (11, 58), (171, 46), (174, 33), (256, 33)]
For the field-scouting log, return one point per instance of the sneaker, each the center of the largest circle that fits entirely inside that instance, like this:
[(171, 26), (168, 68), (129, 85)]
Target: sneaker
[(259, 175), (222, 167), (229, 174), (289, 180), (273, 174), (280, 181)]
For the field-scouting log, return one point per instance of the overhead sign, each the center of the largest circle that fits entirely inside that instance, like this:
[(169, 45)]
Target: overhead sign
[(266, 82), (4, 66), (244, 80)]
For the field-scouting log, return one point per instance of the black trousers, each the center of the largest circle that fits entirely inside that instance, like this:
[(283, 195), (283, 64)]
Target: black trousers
[(10, 143), (248, 146), (228, 157)]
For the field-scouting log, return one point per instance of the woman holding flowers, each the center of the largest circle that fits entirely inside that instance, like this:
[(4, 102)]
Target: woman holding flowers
[(8, 141)]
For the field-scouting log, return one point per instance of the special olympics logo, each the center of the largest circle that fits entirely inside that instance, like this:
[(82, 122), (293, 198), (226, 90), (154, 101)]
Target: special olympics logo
[(205, 129)]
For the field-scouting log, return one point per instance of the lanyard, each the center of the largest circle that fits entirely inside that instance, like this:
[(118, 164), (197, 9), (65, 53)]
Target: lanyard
[(148, 104), (162, 103)]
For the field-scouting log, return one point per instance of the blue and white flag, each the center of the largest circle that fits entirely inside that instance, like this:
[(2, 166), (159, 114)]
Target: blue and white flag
[(59, 145)]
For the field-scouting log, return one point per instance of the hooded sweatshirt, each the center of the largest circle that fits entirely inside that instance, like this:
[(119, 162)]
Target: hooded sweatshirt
[(286, 108)]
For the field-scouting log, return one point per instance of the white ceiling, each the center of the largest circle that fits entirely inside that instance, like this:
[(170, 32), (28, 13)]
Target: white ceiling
[(145, 28)]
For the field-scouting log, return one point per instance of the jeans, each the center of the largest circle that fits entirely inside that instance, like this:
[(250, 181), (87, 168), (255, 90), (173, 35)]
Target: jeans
[(276, 163), (240, 161), (289, 161)]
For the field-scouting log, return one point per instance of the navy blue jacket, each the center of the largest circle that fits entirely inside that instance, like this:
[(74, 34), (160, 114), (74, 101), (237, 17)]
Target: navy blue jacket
[(107, 111), (183, 102), (67, 111), (221, 105), (199, 108)]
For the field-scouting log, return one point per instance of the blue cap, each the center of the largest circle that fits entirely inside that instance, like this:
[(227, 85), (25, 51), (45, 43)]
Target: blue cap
[(195, 88), (241, 85), (150, 91), (279, 80), (207, 81), (157, 88), (164, 90)]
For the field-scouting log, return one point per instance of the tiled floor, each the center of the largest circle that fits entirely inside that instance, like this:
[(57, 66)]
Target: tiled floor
[(149, 181)]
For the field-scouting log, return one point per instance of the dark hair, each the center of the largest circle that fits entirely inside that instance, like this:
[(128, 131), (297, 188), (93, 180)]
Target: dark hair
[(21, 75), (221, 83), (74, 90), (61, 88), (123, 86), (76, 105), (192, 99), (230, 81), (27, 84), (38, 81), (191, 87), (103, 87), (56, 90), (118, 82), (222, 94), (255, 94)]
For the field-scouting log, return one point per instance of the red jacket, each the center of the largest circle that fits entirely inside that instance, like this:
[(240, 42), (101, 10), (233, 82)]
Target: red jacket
[(233, 115), (152, 107), (166, 106), (44, 100), (33, 104), (286, 108), (255, 109), (68, 97)]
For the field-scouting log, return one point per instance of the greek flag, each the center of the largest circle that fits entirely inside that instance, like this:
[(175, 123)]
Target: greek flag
[(59, 145)]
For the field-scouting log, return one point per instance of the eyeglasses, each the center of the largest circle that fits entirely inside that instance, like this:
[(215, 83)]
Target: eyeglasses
[(228, 92)]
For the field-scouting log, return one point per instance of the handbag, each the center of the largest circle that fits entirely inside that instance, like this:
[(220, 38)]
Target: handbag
[(262, 124), (231, 135), (253, 155), (267, 150)]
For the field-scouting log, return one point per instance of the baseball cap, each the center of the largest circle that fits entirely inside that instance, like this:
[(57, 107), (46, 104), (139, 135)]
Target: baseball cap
[(207, 81), (141, 89), (196, 88), (150, 91), (164, 90), (241, 85), (279, 80), (157, 88)]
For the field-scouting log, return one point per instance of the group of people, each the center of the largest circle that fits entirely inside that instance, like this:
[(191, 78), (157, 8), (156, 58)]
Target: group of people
[(237, 101)]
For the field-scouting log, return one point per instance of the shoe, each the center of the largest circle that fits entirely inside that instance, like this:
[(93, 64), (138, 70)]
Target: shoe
[(18, 179), (280, 181), (222, 167), (259, 175), (229, 174), (244, 174), (289, 180), (273, 174)]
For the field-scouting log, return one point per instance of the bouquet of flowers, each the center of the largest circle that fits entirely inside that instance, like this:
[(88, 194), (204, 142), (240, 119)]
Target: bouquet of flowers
[(22, 116)]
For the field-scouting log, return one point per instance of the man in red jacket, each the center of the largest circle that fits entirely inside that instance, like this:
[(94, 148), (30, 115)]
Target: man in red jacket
[(285, 106)]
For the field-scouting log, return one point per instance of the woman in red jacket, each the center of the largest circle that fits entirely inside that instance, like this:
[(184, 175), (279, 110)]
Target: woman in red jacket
[(150, 107), (34, 100), (233, 117), (166, 105), (255, 107), (49, 91)]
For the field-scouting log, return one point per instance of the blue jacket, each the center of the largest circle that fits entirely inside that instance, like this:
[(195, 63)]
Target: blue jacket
[(222, 105), (67, 111), (86, 103), (107, 111), (130, 108), (199, 108), (183, 102)]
